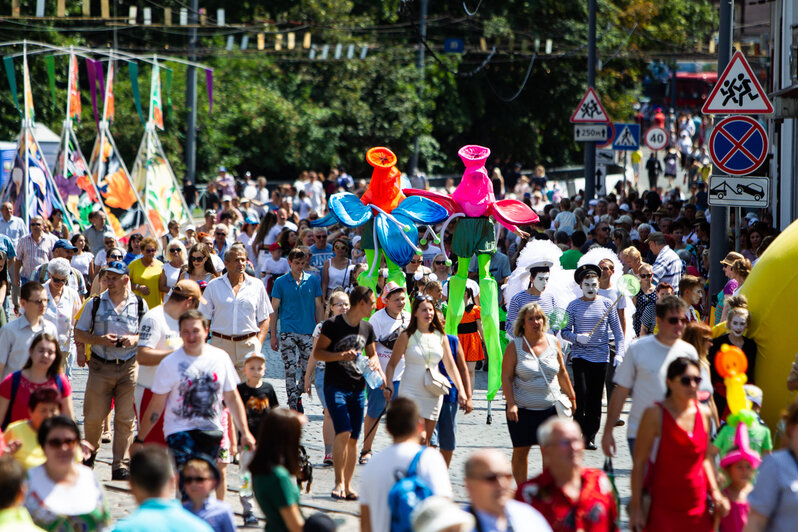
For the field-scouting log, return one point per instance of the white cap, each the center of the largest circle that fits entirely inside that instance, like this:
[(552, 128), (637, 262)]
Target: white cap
[(191, 227), (439, 513), (543, 263)]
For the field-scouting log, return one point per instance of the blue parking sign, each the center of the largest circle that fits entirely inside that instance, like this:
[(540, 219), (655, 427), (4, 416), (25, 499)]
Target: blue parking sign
[(627, 137)]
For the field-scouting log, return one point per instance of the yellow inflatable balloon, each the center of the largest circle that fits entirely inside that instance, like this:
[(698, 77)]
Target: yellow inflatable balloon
[(770, 289), (731, 364)]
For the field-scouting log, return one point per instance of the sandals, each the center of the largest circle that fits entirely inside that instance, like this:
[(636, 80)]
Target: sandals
[(344, 497), (365, 456)]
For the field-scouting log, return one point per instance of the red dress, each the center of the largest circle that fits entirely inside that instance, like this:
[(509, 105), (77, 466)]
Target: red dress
[(677, 481)]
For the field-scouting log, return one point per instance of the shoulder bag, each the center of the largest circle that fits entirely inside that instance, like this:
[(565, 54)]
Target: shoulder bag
[(434, 381), (561, 403)]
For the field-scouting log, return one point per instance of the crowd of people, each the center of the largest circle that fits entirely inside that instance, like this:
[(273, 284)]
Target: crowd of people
[(172, 332)]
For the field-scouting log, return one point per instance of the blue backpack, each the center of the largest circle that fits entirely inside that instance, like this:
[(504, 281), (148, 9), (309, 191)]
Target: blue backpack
[(405, 495)]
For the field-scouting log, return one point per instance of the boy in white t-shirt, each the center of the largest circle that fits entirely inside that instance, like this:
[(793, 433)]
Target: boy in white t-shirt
[(159, 336), (189, 387)]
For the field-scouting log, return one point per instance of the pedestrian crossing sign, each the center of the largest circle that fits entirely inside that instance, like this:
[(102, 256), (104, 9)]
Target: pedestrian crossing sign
[(627, 137), (738, 91), (589, 110)]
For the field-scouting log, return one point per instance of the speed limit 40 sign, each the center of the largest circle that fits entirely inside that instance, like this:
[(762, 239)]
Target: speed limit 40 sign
[(656, 138)]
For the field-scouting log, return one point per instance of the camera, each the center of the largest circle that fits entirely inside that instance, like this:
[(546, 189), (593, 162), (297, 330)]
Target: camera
[(118, 342)]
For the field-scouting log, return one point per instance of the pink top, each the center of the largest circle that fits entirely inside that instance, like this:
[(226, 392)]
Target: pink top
[(736, 519)]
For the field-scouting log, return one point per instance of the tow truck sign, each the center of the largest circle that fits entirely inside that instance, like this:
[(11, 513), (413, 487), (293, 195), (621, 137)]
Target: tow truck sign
[(732, 191)]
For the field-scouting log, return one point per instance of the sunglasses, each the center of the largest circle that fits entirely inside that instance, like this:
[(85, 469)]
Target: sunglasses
[(58, 443), (319, 236), (115, 257), (687, 380), (342, 248), (192, 480), (604, 229), (673, 320), (176, 250), (646, 275), (425, 298), (36, 224), (199, 258), (150, 250), (56, 280), (440, 262), (494, 477), (219, 233)]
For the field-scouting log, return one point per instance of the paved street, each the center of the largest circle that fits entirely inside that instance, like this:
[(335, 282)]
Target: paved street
[(473, 433)]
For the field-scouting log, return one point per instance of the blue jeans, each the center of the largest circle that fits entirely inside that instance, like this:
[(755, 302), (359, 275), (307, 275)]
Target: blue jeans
[(376, 400), (445, 433), (631, 442), (319, 381), (346, 410)]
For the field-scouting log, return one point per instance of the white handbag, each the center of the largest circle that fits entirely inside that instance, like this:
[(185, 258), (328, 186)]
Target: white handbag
[(561, 403), (434, 381)]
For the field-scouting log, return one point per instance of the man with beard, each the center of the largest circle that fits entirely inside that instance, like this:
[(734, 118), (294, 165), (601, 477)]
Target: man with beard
[(590, 322)]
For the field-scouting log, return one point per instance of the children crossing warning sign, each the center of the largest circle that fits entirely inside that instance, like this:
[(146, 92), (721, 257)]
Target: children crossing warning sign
[(737, 91), (589, 110)]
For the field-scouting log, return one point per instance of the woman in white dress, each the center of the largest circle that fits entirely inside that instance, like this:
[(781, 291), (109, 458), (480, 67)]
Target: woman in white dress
[(423, 346)]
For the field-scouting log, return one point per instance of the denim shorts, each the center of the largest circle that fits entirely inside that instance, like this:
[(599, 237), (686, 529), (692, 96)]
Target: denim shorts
[(186, 444), (444, 435), (346, 410), (319, 382), (376, 400)]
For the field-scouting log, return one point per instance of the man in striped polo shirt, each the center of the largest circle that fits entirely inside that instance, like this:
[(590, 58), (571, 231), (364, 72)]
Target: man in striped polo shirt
[(590, 322)]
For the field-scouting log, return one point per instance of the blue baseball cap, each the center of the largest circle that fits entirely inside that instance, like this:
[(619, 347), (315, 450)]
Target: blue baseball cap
[(117, 266), (222, 169), (63, 243), (251, 220)]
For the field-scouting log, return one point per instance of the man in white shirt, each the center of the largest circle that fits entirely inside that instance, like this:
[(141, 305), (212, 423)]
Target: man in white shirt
[(33, 250), (490, 485), (238, 308), (388, 323), (11, 226), (405, 426), (159, 336), (189, 387), (644, 369), (15, 337)]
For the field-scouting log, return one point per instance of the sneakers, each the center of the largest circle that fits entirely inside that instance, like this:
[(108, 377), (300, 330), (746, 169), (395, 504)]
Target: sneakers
[(121, 473), (106, 438), (328, 461), (250, 519)]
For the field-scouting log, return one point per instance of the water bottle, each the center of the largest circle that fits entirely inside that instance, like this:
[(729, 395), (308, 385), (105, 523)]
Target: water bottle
[(244, 476), (373, 378)]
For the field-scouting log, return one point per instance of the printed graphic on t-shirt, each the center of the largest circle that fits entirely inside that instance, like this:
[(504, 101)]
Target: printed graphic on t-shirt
[(198, 393)]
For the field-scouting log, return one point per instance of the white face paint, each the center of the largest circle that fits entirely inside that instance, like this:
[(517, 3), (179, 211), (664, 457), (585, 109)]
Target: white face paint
[(590, 287), (540, 281), (737, 325)]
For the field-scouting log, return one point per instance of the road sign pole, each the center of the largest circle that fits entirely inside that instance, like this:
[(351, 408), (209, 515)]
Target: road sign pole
[(718, 215), (590, 147)]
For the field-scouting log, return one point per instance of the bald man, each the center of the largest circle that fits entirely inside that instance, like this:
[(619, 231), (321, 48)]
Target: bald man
[(489, 481)]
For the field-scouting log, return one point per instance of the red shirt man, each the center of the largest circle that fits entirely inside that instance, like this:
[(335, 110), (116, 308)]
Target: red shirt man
[(570, 497)]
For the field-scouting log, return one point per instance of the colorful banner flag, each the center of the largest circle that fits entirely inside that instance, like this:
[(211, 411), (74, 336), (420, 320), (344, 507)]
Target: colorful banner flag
[(73, 97), (156, 107), (92, 75), (72, 178), (112, 180), (156, 184), (30, 187), (26, 91), (108, 111), (8, 63)]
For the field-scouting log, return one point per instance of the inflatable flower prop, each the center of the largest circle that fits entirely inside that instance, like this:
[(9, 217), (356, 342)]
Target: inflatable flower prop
[(388, 217), (474, 202)]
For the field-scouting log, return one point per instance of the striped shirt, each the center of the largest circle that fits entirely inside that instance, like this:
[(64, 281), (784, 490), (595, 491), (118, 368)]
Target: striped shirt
[(667, 268), (582, 317), (33, 254), (521, 299), (529, 386)]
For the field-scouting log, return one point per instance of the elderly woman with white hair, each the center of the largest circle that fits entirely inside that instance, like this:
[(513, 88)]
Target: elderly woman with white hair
[(63, 304), (176, 257)]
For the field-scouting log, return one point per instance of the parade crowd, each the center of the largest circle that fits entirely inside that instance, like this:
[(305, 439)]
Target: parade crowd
[(172, 331)]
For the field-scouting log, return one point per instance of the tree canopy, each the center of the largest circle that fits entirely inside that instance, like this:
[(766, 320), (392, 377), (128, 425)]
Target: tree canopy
[(279, 111)]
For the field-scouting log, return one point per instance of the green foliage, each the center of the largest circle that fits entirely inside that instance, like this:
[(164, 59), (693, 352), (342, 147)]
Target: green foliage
[(277, 114)]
